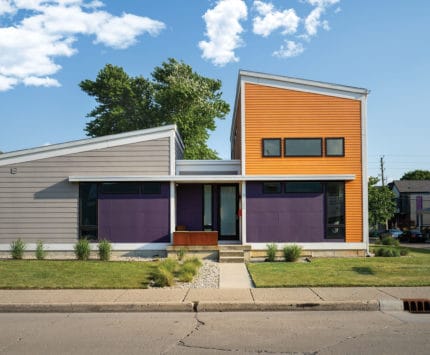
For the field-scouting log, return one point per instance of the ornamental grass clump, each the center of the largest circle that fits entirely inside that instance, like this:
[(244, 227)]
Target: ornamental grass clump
[(40, 250), (82, 249), (164, 273), (17, 248), (387, 252), (389, 240), (272, 248), (105, 250), (292, 253)]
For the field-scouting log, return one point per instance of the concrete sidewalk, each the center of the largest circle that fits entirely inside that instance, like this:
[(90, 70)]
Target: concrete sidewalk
[(206, 300)]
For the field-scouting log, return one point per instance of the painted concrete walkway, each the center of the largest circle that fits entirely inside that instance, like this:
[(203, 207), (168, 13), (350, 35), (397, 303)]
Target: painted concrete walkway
[(234, 275)]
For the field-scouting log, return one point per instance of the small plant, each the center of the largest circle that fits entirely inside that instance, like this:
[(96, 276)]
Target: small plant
[(82, 249), (105, 249), (40, 250), (169, 264), (389, 240), (404, 252), (181, 253), (17, 248), (387, 252), (272, 248), (292, 252), (162, 277)]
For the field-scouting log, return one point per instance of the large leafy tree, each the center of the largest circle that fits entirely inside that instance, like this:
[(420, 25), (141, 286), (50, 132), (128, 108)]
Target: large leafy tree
[(416, 175), (382, 205), (176, 94)]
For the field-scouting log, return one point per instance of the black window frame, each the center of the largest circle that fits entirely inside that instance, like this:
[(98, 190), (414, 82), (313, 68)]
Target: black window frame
[(271, 139), (266, 192), (122, 183), (328, 226), (303, 155), (334, 138), (88, 231), (150, 192), (291, 183)]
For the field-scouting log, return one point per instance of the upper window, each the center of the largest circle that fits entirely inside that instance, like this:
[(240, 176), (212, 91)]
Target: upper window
[(151, 188), (335, 147), (119, 188), (272, 188), (303, 147), (271, 147), (303, 187)]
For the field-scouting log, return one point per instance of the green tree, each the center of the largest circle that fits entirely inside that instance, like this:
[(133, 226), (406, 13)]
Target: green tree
[(176, 94), (382, 205), (416, 175)]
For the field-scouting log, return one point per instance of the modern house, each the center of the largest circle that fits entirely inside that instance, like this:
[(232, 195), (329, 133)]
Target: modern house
[(413, 203), (297, 175)]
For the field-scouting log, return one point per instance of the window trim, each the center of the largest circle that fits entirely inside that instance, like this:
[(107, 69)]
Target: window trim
[(334, 155), (271, 139), (303, 156)]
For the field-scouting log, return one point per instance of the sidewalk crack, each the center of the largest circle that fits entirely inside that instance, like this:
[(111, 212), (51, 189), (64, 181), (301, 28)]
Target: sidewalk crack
[(186, 294), (316, 294), (252, 295), (380, 290), (122, 294)]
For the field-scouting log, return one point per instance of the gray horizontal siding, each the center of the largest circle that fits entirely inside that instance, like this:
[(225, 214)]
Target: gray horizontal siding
[(39, 203)]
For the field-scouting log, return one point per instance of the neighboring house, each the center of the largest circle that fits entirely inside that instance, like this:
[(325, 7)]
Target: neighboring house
[(297, 175), (413, 203)]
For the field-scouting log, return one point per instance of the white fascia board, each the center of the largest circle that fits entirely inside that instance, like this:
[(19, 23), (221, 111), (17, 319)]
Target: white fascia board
[(309, 86), (84, 145), (314, 246), (208, 166), (193, 163), (365, 199), (215, 178), (236, 101), (94, 246)]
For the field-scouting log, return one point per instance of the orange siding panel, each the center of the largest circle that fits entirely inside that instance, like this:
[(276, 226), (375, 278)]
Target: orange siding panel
[(280, 113)]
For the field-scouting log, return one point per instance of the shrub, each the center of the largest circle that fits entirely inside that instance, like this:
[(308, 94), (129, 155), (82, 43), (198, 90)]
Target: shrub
[(82, 249), (292, 252), (387, 252), (271, 251), (162, 277), (389, 240), (40, 251), (17, 248), (181, 253), (105, 249), (169, 264)]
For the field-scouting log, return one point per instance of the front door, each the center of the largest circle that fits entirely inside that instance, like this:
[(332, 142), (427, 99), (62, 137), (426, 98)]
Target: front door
[(228, 221)]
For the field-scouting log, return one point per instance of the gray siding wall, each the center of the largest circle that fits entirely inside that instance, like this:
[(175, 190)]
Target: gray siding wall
[(39, 203)]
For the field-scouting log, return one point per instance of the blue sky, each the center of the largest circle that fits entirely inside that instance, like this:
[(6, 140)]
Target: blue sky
[(48, 47)]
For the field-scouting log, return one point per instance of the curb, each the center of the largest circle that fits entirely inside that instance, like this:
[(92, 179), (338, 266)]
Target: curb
[(372, 305)]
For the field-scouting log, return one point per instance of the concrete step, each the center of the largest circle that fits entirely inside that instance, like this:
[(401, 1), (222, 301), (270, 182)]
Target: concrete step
[(238, 253), (231, 259), (232, 247)]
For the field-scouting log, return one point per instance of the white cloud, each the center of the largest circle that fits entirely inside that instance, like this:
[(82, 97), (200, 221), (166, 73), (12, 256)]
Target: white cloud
[(28, 48), (270, 19), (223, 30), (313, 20), (290, 49)]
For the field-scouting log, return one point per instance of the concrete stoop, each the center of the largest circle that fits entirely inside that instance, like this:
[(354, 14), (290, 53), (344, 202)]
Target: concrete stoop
[(232, 253)]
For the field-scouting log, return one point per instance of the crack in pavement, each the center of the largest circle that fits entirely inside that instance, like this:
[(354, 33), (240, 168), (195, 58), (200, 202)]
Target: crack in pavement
[(316, 294)]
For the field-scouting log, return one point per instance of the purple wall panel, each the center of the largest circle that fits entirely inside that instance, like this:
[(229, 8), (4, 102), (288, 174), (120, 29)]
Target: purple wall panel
[(126, 218), (189, 206), (284, 217)]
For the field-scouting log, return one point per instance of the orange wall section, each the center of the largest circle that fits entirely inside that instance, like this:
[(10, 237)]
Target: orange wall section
[(281, 113)]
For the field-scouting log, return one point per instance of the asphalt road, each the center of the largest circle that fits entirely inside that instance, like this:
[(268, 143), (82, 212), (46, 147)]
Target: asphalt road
[(215, 333)]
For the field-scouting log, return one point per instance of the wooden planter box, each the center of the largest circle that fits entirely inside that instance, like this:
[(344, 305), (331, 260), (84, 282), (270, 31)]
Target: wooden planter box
[(195, 238)]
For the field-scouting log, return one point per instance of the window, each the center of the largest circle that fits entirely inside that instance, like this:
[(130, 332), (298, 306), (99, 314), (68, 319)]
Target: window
[(272, 188), (303, 147), (303, 187), (334, 147), (271, 147), (151, 188), (119, 188), (207, 207), (335, 210), (88, 210)]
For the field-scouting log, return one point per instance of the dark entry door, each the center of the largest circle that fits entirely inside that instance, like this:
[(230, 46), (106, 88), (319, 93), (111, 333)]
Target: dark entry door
[(228, 226)]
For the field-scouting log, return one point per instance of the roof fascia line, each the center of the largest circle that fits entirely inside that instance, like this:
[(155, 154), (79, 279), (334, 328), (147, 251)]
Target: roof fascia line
[(236, 100), (312, 83), (183, 162), (79, 146)]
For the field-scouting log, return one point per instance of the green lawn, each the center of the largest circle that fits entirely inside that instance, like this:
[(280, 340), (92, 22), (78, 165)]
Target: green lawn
[(51, 274), (411, 270)]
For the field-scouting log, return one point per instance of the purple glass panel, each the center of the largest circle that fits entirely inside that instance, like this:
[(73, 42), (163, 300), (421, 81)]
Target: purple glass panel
[(189, 206), (127, 218), (284, 217)]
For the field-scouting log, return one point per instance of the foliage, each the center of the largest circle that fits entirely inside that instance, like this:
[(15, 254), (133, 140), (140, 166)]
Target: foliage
[(17, 248), (387, 252), (82, 249), (292, 252), (272, 248), (176, 94), (382, 205), (169, 270), (416, 175), (404, 251), (40, 251), (162, 277), (105, 249), (189, 269), (181, 253), (388, 240)]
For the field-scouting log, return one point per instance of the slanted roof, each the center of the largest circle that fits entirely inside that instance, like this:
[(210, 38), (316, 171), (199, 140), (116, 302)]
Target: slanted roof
[(88, 144), (412, 186)]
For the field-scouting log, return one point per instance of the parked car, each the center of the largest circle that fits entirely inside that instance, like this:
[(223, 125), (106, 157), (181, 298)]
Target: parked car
[(413, 235), (393, 232)]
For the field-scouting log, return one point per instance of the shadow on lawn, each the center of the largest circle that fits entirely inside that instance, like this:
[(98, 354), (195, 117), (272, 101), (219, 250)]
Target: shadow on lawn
[(364, 270)]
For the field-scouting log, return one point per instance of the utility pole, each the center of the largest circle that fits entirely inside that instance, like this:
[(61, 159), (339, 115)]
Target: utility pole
[(382, 171)]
